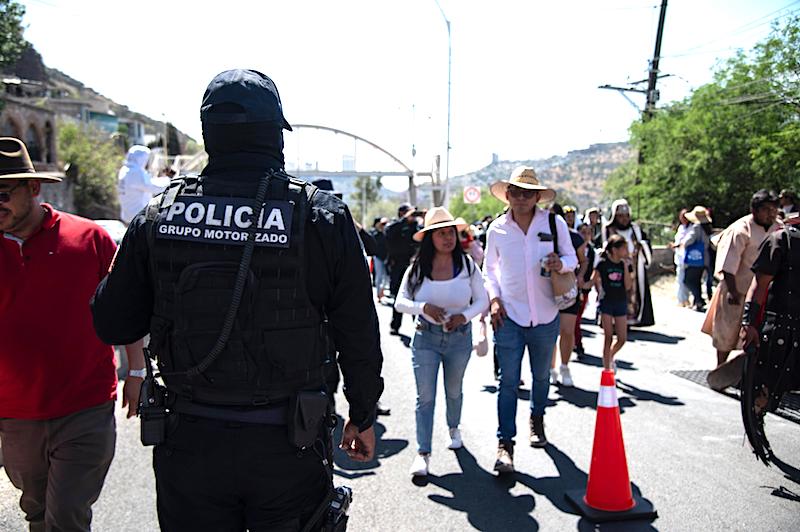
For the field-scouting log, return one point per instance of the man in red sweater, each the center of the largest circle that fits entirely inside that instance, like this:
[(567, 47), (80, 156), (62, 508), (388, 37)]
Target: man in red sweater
[(57, 379)]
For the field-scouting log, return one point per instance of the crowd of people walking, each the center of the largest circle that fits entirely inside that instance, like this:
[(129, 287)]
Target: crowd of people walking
[(447, 273)]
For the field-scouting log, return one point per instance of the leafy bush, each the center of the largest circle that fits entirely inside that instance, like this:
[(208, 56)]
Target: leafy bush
[(94, 161)]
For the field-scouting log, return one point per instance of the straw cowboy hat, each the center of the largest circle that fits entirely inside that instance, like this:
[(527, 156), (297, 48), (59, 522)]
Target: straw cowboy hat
[(699, 215), (437, 218), (522, 177), (15, 163)]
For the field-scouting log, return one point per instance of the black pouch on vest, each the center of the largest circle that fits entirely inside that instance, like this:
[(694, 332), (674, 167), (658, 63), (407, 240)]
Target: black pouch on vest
[(307, 412)]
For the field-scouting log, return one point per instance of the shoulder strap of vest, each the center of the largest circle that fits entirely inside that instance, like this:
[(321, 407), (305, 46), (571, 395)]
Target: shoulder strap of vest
[(164, 201), (150, 215)]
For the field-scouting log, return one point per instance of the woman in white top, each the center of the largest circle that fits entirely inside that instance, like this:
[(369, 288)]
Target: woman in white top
[(684, 228), (444, 288)]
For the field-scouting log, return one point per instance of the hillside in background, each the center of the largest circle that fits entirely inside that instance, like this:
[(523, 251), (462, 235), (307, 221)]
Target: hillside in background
[(578, 176), (78, 91)]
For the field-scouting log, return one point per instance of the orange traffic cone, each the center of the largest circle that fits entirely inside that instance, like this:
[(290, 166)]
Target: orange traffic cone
[(608, 491), (609, 487)]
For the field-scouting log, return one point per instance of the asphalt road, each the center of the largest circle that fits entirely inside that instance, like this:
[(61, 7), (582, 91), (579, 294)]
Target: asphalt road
[(685, 447)]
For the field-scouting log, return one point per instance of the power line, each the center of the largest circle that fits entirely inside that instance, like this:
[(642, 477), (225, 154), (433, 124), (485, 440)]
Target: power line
[(753, 24)]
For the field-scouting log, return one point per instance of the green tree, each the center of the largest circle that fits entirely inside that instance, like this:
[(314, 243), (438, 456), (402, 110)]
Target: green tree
[(12, 43), (728, 139), (95, 160), (366, 191), (471, 212)]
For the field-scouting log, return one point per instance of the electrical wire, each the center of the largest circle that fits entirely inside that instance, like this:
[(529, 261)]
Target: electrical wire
[(739, 30)]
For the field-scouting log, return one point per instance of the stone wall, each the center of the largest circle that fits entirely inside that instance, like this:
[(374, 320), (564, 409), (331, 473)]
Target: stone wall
[(36, 126), (60, 195)]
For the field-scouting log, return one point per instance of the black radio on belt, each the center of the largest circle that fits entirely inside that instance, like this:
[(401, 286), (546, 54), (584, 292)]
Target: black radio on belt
[(152, 408)]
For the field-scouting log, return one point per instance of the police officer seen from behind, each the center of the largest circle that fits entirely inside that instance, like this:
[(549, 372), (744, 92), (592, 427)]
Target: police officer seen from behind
[(400, 248), (239, 315)]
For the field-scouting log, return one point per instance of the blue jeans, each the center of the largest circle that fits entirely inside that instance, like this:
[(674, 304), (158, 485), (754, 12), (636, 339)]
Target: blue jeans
[(430, 347), (381, 275), (683, 292), (510, 340)]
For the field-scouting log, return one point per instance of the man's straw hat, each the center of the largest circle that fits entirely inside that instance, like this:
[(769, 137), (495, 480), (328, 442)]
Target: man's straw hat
[(522, 177), (437, 218), (15, 163)]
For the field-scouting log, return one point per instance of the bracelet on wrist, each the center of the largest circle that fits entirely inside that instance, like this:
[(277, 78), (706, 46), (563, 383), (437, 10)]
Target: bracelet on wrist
[(140, 373)]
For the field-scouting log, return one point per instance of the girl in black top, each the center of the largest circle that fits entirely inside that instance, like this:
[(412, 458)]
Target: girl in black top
[(612, 277)]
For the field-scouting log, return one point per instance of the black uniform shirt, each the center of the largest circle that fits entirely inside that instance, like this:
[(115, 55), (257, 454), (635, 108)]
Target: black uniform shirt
[(338, 283), (779, 256), (400, 242)]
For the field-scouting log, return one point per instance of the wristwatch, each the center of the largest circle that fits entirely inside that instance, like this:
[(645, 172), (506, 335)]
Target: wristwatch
[(141, 373)]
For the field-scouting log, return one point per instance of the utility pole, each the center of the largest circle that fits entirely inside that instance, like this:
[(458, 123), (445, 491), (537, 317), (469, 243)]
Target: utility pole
[(449, 71), (652, 93)]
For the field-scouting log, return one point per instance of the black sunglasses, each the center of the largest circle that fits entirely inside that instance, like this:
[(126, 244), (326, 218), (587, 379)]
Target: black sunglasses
[(6, 195), (519, 192)]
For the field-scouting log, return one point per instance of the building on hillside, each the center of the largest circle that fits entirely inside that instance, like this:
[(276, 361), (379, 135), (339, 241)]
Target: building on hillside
[(35, 125)]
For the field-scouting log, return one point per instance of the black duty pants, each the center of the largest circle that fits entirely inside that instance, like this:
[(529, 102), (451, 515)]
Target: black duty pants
[(395, 278), (693, 279), (221, 476)]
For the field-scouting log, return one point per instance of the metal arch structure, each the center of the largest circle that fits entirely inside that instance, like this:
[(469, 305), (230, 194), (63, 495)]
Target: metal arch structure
[(351, 173)]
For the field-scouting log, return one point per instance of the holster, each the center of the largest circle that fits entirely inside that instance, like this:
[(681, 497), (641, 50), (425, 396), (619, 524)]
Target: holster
[(307, 413)]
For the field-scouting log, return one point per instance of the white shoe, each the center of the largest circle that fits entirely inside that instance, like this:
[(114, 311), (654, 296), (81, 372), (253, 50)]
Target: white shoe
[(419, 467), (553, 376), (566, 377), (455, 439)]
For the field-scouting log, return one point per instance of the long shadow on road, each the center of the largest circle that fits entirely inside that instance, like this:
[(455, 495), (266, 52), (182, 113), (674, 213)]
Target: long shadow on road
[(638, 335), (489, 505), (597, 362)]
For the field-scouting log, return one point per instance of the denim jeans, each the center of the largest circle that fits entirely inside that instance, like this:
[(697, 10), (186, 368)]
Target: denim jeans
[(431, 347), (381, 275), (683, 291), (511, 340)]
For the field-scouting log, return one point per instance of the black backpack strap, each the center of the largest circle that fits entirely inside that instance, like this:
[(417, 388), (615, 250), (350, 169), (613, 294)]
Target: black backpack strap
[(554, 231)]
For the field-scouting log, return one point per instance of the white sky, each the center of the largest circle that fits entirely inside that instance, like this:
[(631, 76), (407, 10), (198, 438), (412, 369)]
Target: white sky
[(524, 73)]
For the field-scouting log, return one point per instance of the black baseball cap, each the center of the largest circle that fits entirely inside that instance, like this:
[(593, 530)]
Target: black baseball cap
[(251, 93)]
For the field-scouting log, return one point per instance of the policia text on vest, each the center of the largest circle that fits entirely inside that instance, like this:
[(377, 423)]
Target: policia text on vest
[(223, 220)]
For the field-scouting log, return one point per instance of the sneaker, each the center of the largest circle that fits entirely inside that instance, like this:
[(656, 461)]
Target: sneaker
[(419, 467), (455, 439), (394, 332), (553, 376), (566, 377), (537, 439), (505, 457)]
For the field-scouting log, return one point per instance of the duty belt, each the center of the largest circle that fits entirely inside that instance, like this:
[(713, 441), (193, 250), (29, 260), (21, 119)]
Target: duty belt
[(274, 415)]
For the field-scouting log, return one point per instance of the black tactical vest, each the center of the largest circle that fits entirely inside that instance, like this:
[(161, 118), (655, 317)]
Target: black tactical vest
[(278, 344)]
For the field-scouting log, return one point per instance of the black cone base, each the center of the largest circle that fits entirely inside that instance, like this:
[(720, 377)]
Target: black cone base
[(642, 510)]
